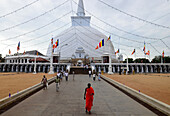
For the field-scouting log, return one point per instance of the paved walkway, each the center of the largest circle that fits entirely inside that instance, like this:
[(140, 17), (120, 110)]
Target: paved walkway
[(69, 101)]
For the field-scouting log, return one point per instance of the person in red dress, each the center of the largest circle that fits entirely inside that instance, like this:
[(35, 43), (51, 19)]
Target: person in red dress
[(88, 96)]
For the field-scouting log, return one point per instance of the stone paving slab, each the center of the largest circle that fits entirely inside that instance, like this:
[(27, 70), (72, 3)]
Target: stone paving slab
[(108, 101)]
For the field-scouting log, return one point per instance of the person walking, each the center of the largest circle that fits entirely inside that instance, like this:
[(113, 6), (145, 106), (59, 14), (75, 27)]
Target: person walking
[(57, 81), (89, 73), (88, 96), (61, 76), (66, 74), (94, 75), (44, 82)]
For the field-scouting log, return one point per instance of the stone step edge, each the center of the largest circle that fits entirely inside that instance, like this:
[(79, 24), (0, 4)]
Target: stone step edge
[(17, 97), (162, 107)]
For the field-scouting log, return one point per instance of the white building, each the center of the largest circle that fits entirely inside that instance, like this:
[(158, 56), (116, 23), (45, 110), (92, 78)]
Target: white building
[(26, 57), (82, 36)]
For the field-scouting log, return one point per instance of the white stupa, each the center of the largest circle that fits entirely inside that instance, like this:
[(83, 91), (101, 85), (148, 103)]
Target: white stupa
[(82, 39)]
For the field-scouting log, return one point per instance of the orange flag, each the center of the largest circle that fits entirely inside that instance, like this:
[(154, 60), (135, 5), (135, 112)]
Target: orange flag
[(97, 47)]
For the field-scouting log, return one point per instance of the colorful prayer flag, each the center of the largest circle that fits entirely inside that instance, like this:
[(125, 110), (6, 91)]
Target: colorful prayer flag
[(133, 52), (18, 47), (52, 41), (57, 43), (147, 53), (144, 47), (109, 38), (117, 52), (163, 54), (97, 47), (9, 51), (101, 43), (53, 46)]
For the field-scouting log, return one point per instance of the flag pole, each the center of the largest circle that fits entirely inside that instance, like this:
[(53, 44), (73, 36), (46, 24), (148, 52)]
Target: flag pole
[(51, 60)]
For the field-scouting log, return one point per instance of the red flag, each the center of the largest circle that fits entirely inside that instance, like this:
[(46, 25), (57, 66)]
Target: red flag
[(117, 52), (24, 52), (52, 41), (133, 52), (9, 51), (97, 47), (18, 47), (109, 38), (163, 54)]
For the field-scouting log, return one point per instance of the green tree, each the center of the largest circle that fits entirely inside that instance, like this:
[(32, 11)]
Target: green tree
[(157, 59), (130, 60), (1, 59), (141, 60)]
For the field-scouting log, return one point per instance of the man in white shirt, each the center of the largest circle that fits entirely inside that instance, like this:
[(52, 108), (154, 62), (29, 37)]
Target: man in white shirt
[(89, 73), (66, 74)]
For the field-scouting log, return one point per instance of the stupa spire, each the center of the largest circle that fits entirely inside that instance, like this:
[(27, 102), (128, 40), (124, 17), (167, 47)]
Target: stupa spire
[(80, 9)]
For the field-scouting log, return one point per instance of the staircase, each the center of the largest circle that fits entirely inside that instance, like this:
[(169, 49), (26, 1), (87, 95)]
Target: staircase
[(79, 70)]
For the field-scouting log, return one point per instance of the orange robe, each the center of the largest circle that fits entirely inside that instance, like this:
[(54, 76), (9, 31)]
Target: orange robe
[(89, 98)]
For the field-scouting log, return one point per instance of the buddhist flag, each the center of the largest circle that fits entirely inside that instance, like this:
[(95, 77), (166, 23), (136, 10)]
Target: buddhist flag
[(144, 47), (117, 52), (108, 38), (57, 43), (97, 47), (24, 52), (9, 51), (163, 54), (52, 41), (133, 52), (147, 53), (53, 46), (18, 47), (101, 43)]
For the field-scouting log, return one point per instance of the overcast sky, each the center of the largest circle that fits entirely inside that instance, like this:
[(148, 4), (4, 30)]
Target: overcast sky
[(156, 11)]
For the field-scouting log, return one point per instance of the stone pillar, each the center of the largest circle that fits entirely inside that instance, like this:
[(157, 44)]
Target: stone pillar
[(99, 69), (43, 68), (104, 69), (147, 69), (160, 69), (137, 69), (132, 69), (62, 68), (165, 69), (39, 68), (17, 68), (12, 68), (49, 69), (156, 70), (142, 69), (21, 70), (30, 68), (118, 68), (151, 69), (26, 68), (113, 69), (57, 69)]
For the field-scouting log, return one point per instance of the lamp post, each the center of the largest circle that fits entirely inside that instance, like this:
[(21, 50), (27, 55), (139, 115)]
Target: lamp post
[(60, 53), (51, 61), (35, 66)]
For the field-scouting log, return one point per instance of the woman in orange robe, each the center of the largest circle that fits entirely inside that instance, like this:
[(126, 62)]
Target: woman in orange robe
[(88, 95)]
